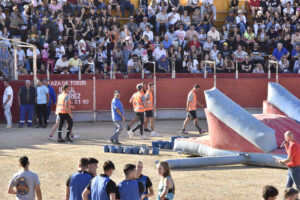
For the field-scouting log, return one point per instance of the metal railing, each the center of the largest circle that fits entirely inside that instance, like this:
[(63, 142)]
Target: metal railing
[(7, 66), (205, 71)]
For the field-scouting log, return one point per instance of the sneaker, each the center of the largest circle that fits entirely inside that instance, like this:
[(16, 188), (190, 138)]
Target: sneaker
[(112, 141), (8, 126), (147, 130), (130, 133), (202, 131), (75, 136), (60, 140), (67, 139), (128, 128), (184, 132), (51, 138), (154, 134)]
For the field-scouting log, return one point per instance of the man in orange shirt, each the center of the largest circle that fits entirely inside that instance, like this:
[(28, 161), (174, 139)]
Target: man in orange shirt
[(293, 160), (191, 109)]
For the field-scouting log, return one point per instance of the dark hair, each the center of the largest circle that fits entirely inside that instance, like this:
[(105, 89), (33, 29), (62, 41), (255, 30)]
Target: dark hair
[(108, 165), (196, 86), (127, 168), (290, 192), (65, 87), (92, 161), (269, 191), (151, 84), (24, 161), (83, 162)]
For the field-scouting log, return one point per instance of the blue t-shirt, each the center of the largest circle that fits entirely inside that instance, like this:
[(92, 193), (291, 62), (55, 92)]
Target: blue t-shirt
[(116, 104), (278, 54), (41, 94)]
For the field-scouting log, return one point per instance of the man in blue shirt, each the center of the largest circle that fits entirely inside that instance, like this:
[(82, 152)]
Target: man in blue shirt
[(102, 187), (163, 65), (77, 182), (52, 97), (42, 98), (280, 51), (130, 188), (167, 42), (145, 180), (118, 117)]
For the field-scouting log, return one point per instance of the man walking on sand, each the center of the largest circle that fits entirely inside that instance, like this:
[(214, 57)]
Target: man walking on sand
[(191, 109), (7, 102), (25, 184), (118, 117)]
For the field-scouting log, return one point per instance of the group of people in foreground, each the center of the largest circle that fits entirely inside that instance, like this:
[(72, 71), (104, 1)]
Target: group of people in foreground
[(85, 184)]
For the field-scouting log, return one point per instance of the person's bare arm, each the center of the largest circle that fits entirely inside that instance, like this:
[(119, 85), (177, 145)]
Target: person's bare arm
[(11, 190), (112, 196), (67, 193), (85, 194), (120, 113), (166, 189), (38, 192)]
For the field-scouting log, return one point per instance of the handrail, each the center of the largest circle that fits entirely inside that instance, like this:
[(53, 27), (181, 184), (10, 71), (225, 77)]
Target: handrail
[(215, 75), (269, 69)]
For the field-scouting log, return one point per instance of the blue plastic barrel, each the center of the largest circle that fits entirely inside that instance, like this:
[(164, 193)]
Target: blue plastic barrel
[(135, 150), (120, 149), (155, 151), (145, 150), (113, 149), (106, 148), (161, 144), (128, 150), (167, 145), (154, 144)]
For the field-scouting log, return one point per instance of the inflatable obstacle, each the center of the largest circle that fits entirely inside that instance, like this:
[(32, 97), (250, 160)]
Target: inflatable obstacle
[(143, 150), (234, 132)]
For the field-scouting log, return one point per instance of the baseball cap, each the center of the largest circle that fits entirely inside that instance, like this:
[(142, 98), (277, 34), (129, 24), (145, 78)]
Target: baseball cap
[(139, 86), (225, 43)]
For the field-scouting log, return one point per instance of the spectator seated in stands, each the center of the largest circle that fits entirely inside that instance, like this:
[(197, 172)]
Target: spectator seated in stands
[(246, 65), (75, 64), (163, 65), (134, 64), (126, 5), (241, 21), (206, 67), (230, 20), (258, 69), (173, 18), (208, 7), (61, 64), (167, 42), (161, 21), (159, 52), (280, 51), (185, 19)]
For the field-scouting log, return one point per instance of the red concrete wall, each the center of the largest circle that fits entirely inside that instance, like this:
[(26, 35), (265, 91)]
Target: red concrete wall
[(171, 93)]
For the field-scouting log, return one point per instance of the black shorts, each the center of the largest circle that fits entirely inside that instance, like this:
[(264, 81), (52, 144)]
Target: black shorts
[(192, 114), (149, 113)]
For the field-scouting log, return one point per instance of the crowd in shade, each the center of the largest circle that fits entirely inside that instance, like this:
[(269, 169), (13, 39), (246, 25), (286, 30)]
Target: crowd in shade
[(98, 36)]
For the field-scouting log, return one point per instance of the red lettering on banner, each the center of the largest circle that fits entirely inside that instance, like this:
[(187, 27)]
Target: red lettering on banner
[(80, 92)]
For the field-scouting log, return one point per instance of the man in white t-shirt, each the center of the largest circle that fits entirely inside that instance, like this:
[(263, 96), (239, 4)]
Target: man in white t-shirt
[(61, 64), (173, 18), (180, 34), (161, 20), (159, 52), (7, 102)]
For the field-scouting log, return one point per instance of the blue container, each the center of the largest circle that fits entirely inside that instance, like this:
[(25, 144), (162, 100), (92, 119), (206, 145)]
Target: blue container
[(174, 138), (106, 148), (154, 144), (135, 150), (120, 149), (161, 144), (113, 149), (155, 151), (128, 150), (145, 150), (167, 145)]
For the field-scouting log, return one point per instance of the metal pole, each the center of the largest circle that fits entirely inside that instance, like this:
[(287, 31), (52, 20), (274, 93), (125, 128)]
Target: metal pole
[(34, 65), (143, 72), (173, 70), (215, 75), (154, 81), (48, 73), (205, 72), (236, 70), (277, 72), (94, 97), (15, 63), (79, 72), (269, 70)]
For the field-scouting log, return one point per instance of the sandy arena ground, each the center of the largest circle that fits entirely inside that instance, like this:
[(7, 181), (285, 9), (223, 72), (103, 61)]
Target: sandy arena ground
[(55, 162)]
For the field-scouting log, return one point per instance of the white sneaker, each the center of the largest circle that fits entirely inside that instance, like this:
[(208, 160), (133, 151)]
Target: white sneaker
[(75, 136), (154, 134), (8, 126), (130, 133), (51, 138)]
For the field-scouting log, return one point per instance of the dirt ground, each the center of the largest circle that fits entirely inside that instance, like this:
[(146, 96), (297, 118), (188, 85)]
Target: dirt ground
[(55, 162)]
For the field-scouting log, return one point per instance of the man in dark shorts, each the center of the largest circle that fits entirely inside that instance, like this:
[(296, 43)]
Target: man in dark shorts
[(78, 181), (149, 110), (102, 187), (191, 109), (145, 180)]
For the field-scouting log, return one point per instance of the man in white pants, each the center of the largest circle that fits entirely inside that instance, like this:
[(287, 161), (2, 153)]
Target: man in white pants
[(7, 102)]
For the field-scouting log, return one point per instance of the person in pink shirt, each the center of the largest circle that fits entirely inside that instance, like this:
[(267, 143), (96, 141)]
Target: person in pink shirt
[(54, 6)]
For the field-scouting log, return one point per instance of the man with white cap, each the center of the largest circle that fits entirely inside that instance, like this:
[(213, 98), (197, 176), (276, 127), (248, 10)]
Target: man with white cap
[(26, 100), (118, 117)]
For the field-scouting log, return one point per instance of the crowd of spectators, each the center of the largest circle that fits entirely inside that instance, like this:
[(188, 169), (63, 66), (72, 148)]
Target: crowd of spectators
[(73, 35)]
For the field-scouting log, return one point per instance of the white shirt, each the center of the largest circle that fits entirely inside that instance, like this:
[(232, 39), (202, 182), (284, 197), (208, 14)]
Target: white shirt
[(149, 34), (210, 2), (21, 55), (130, 63), (174, 18), (29, 53), (240, 19), (8, 91), (290, 12), (159, 53), (180, 34), (214, 35), (61, 64), (283, 2), (60, 51)]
